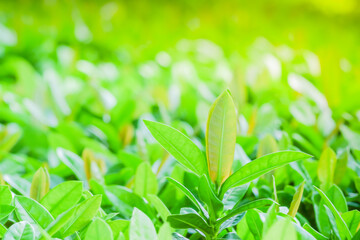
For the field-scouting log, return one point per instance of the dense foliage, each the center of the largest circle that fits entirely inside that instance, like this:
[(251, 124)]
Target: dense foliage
[(136, 120)]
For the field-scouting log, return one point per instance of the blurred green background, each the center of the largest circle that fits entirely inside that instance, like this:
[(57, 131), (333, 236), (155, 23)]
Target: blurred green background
[(91, 69), (139, 43), (319, 39)]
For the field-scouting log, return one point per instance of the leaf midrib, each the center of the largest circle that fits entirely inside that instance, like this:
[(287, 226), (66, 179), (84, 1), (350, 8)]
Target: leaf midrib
[(241, 181), (256, 226), (175, 148), (80, 215), (221, 147), (56, 205), (31, 215)]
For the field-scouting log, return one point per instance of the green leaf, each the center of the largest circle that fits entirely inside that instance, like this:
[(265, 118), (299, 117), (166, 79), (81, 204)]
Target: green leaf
[(275, 193), (178, 236), (267, 145), (40, 184), (245, 207), (178, 145), (124, 200), (7, 143), (243, 230), (261, 166), (159, 206), (165, 232), (326, 168), (339, 220), (254, 222), (18, 183), (231, 221), (145, 180), (98, 188), (189, 220), (119, 226), (20, 231), (281, 230), (341, 166), (337, 197), (221, 138), (314, 233), (335, 233), (208, 196), (60, 221), (352, 220), (5, 210), (352, 137), (357, 184), (73, 161), (109, 216), (305, 144), (322, 220), (271, 217), (83, 214), (31, 211), (188, 194), (62, 197), (5, 195), (356, 236), (302, 112), (3, 230), (231, 236), (295, 203), (141, 226), (98, 230), (234, 195)]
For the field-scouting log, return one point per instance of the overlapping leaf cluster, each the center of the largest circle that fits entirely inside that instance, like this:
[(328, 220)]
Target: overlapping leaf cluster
[(99, 141)]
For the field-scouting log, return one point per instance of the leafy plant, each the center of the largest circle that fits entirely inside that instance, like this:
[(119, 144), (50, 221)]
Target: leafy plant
[(211, 219), (110, 127)]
